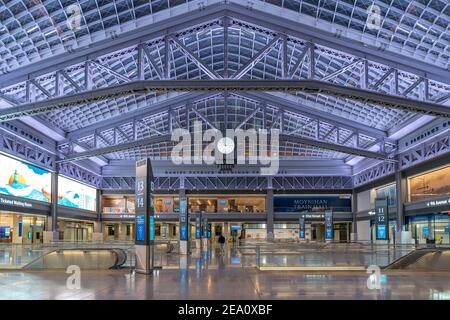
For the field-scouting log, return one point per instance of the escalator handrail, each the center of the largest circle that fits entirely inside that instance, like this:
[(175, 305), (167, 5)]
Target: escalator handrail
[(116, 264)]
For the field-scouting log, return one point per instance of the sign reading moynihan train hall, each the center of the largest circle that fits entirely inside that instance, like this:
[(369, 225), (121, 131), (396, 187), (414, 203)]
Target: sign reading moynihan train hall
[(299, 203)]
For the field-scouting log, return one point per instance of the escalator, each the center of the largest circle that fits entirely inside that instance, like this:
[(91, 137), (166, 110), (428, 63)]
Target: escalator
[(86, 258), (426, 259)]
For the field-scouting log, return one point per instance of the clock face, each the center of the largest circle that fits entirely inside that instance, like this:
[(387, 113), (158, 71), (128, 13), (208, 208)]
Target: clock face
[(225, 145)]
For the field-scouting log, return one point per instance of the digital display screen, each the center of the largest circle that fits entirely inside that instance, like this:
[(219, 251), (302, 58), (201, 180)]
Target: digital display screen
[(152, 228), (329, 225), (183, 232), (19, 179), (140, 228), (381, 231), (5, 232), (76, 195)]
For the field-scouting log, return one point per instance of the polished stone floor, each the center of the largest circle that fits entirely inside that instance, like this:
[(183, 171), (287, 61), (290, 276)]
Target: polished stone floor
[(213, 276)]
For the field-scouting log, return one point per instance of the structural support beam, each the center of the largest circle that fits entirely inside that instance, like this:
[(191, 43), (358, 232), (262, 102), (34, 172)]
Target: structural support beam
[(334, 147), (115, 148), (299, 62), (269, 211), (142, 87), (188, 52), (341, 71), (143, 112), (256, 58)]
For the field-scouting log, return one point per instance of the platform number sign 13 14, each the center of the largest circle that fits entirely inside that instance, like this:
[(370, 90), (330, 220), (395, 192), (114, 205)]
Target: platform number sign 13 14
[(140, 188)]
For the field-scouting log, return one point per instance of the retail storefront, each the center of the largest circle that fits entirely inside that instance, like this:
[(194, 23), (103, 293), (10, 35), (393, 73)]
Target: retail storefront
[(22, 221), (429, 220), (427, 213), (227, 204), (21, 228)]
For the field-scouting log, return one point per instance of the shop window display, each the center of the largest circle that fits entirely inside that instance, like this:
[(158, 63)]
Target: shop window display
[(429, 185)]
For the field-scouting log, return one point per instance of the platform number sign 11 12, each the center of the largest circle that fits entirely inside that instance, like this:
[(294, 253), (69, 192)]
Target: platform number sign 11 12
[(381, 209)]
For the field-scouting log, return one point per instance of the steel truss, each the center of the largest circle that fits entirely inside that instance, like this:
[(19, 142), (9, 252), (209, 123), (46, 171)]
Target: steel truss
[(372, 81), (17, 147), (235, 183), (80, 174), (90, 95), (307, 65), (297, 126), (435, 147)]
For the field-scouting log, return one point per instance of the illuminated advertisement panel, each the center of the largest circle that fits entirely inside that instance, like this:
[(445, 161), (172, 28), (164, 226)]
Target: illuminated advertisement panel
[(23, 180), (76, 195)]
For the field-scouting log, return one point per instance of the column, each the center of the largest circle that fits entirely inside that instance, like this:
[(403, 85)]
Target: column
[(184, 225), (145, 223), (198, 230), (402, 235), (354, 233), (97, 236), (269, 211), (17, 225), (51, 233)]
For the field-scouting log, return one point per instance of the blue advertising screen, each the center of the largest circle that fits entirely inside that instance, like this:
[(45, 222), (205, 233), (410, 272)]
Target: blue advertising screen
[(20, 227), (310, 203), (140, 228), (302, 234), (381, 231), (425, 231), (183, 232), (152, 228)]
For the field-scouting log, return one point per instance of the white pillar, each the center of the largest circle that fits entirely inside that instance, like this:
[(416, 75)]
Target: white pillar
[(97, 235)]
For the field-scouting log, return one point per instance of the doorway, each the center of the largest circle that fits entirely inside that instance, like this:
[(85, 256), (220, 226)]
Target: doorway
[(318, 232)]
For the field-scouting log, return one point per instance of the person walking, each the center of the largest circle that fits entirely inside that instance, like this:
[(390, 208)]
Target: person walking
[(222, 243)]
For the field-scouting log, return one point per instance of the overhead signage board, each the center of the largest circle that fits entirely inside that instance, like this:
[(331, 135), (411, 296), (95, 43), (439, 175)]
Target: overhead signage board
[(382, 218), (311, 203), (15, 203), (438, 203)]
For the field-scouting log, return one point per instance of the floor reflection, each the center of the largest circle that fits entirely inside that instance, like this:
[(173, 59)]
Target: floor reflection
[(208, 274)]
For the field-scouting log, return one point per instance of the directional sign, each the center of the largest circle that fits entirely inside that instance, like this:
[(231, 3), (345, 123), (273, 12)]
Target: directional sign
[(382, 218)]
